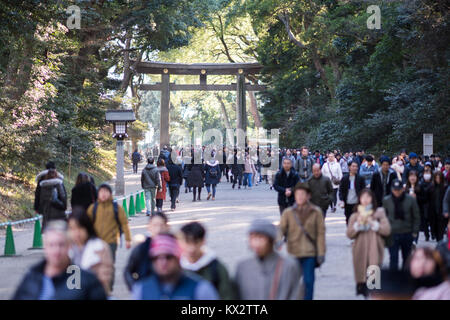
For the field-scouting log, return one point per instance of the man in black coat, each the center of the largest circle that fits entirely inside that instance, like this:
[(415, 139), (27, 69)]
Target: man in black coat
[(285, 181), (382, 180), (55, 278), (349, 189), (176, 179), (136, 157)]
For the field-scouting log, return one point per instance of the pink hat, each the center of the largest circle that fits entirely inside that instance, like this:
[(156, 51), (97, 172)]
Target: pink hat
[(165, 244)]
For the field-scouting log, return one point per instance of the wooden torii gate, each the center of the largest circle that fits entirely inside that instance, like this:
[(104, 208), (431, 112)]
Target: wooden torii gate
[(240, 70)]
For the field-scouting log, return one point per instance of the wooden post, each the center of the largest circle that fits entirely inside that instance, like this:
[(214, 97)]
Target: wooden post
[(164, 138), (241, 111)]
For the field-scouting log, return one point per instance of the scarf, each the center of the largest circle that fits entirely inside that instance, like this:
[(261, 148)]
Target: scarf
[(399, 213)]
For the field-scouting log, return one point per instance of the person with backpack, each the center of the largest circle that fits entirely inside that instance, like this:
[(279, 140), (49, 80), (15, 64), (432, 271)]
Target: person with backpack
[(212, 176), (303, 227), (267, 274), (151, 182), (195, 257), (109, 220)]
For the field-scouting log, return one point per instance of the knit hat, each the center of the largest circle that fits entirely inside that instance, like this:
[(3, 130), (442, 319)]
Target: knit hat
[(165, 244), (264, 227), (385, 159), (105, 186), (413, 155)]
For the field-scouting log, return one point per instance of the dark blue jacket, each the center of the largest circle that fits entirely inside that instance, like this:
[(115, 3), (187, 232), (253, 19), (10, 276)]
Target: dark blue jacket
[(409, 168), (139, 265), (209, 177), (175, 173), (282, 181), (31, 286)]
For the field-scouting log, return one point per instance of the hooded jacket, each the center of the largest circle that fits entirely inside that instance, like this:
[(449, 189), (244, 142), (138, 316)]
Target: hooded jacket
[(150, 177), (52, 200), (210, 268), (211, 166), (37, 193)]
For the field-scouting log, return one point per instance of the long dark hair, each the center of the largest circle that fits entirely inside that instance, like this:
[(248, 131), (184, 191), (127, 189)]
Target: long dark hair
[(408, 184), (371, 194), (80, 216), (82, 178)]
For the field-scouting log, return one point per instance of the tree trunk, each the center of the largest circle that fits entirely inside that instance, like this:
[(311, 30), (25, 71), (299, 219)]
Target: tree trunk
[(224, 112), (254, 109)]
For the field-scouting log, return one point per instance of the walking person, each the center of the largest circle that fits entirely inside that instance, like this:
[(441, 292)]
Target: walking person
[(150, 182), (413, 165), (87, 250), (237, 169), (303, 165), (382, 180), (110, 221), (332, 170), (136, 158), (213, 175), (186, 170), (48, 279), (267, 274), (318, 158), (52, 197), (304, 229), (436, 213), (424, 200), (344, 162), (404, 217), (165, 178), (168, 281), (350, 187), (176, 179), (195, 179), (249, 171), (138, 265), (398, 166), (368, 226), (367, 169), (284, 183), (197, 258), (321, 189), (84, 192), (39, 177)]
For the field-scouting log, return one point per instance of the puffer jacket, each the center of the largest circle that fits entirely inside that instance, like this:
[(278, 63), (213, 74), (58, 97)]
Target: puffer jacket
[(150, 177), (40, 176), (52, 200), (210, 167)]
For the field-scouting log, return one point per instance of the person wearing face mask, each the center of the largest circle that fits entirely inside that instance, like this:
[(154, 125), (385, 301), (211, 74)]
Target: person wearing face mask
[(398, 167), (424, 200), (427, 271)]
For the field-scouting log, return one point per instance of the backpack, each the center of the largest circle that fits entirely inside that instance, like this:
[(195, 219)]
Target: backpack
[(213, 172), (116, 215)]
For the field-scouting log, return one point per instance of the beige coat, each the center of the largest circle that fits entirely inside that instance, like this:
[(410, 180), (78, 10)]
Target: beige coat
[(368, 247), (312, 220)]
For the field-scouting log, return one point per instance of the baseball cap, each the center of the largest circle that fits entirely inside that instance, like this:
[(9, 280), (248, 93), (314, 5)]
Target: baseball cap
[(397, 185)]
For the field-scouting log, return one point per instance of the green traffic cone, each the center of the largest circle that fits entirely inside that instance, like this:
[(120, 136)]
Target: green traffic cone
[(10, 249), (142, 201), (37, 238), (138, 203), (131, 210), (124, 205)]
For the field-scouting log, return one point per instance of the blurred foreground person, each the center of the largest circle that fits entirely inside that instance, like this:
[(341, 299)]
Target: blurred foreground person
[(267, 275), (139, 265), (55, 278), (392, 285), (169, 281), (87, 250), (202, 261)]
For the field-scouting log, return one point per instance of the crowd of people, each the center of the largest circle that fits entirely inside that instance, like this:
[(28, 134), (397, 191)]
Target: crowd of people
[(386, 204)]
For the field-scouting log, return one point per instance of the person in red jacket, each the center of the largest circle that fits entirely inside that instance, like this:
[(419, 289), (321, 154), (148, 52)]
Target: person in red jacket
[(165, 177)]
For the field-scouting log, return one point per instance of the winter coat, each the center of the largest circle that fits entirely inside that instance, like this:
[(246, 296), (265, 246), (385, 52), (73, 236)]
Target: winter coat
[(165, 177), (283, 181), (139, 265), (376, 185), (210, 268), (211, 167), (398, 170), (304, 172), (83, 195), (40, 176), (237, 168), (446, 202), (439, 292), (321, 191), (136, 157), (176, 175), (151, 178), (249, 166), (96, 257), (298, 244), (318, 159), (31, 286), (418, 168), (367, 172), (344, 186), (411, 222), (368, 247), (196, 176), (105, 223), (332, 168), (255, 278), (52, 200)]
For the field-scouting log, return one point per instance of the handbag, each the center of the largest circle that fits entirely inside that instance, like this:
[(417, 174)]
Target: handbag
[(333, 178), (308, 236)]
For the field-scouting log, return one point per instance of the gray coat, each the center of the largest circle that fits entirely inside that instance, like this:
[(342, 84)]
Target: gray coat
[(254, 278), (321, 191), (304, 172), (150, 178), (411, 223)]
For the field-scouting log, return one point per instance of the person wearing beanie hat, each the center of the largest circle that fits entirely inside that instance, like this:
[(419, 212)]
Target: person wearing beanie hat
[(382, 180), (304, 229), (168, 280), (109, 220), (267, 274), (412, 165)]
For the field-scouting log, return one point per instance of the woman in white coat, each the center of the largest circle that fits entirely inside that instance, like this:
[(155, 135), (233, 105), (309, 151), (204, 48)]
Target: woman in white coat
[(332, 169)]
